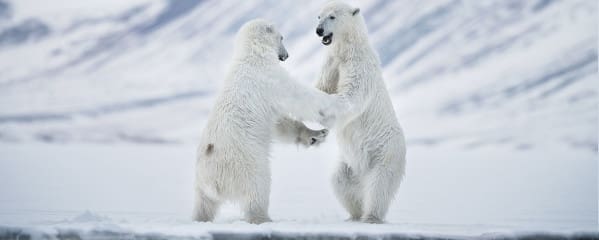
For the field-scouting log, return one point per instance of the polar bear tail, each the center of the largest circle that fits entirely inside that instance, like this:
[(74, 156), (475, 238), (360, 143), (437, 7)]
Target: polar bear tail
[(209, 149)]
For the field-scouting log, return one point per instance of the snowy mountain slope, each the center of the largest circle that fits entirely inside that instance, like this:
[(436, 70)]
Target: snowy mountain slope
[(468, 71)]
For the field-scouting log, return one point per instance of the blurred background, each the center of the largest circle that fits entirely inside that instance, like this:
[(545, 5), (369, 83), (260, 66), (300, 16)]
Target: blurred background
[(498, 100)]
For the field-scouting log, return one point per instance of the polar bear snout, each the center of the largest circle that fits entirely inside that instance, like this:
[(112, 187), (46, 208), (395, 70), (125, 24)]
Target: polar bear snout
[(282, 51), (283, 55), (326, 38), (319, 31)]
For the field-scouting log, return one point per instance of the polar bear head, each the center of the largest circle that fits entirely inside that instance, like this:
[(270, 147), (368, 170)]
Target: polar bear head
[(339, 21), (259, 37)]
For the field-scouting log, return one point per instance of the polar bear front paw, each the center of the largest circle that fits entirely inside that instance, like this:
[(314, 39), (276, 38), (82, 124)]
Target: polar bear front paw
[(311, 137), (327, 117), (336, 110)]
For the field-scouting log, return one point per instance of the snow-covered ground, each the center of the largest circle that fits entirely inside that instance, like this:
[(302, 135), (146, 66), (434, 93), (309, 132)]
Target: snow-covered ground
[(148, 189), (102, 102)]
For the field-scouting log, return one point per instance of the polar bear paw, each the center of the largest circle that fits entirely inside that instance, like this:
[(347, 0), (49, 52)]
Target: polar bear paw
[(327, 117), (259, 220), (311, 137), (372, 220), (338, 109)]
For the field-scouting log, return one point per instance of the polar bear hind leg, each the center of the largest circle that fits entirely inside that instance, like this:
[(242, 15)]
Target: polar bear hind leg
[(348, 190), (381, 184), (255, 202), (205, 207)]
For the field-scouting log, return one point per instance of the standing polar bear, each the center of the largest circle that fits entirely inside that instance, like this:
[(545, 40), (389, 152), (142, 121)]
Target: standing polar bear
[(232, 161), (370, 138)]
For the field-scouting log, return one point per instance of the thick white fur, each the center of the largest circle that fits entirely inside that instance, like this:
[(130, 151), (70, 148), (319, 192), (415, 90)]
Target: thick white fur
[(232, 161), (371, 141)]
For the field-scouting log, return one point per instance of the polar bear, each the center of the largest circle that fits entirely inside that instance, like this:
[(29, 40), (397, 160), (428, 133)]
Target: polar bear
[(371, 141), (232, 162)]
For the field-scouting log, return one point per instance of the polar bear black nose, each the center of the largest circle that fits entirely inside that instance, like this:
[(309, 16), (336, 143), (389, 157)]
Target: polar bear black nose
[(319, 32)]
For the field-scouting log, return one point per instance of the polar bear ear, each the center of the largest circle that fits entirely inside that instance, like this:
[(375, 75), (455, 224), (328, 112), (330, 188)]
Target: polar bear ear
[(355, 11)]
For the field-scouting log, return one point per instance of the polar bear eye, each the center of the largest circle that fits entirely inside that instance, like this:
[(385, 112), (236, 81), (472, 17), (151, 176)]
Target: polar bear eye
[(332, 17), (269, 30)]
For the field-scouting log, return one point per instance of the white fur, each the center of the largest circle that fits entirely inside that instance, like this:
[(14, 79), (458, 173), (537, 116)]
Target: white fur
[(371, 141), (232, 161)]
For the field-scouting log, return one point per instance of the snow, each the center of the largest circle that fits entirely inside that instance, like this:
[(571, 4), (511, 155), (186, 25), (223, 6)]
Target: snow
[(88, 216), (149, 189)]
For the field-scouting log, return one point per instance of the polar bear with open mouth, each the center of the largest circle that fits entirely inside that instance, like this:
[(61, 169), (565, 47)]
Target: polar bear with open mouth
[(370, 139)]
